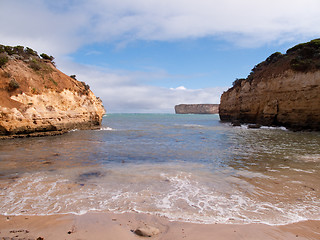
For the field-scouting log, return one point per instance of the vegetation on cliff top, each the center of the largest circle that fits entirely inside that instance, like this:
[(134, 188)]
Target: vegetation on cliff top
[(23, 53), (304, 57), (43, 74)]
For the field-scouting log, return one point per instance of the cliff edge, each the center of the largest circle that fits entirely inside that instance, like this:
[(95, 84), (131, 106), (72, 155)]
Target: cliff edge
[(37, 99), (283, 90), (197, 109)]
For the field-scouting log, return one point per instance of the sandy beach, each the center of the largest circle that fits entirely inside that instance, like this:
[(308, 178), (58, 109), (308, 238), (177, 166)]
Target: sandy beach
[(109, 226)]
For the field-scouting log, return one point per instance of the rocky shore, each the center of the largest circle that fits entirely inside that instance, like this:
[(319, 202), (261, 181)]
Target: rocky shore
[(37, 99), (197, 109), (284, 90)]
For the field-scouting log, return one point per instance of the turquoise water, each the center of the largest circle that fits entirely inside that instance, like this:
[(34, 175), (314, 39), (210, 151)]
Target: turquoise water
[(185, 167)]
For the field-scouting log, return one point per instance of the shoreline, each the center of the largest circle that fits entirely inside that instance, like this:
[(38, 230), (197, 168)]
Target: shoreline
[(109, 226)]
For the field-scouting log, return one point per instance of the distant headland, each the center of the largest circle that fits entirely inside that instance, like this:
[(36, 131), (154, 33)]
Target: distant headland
[(197, 109)]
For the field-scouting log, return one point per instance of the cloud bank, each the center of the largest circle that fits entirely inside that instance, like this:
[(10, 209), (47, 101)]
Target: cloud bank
[(125, 91), (61, 27)]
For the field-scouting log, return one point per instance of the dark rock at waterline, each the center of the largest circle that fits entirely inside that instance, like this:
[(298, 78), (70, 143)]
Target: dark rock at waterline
[(147, 231), (89, 175), (236, 123), (254, 126)]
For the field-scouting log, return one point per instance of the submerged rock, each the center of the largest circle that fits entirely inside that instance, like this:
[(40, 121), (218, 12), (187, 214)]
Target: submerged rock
[(254, 126)]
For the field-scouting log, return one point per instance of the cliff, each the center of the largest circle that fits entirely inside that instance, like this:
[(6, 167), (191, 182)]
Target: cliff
[(284, 90), (37, 99), (197, 108)]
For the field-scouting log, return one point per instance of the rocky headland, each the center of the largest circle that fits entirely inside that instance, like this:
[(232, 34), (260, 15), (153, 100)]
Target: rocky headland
[(283, 90), (37, 99), (197, 109)]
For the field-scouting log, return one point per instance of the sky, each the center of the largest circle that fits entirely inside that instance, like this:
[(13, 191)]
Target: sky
[(146, 56)]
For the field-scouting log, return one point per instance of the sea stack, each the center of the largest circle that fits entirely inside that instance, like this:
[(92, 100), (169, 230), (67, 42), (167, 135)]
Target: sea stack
[(197, 108), (283, 90), (37, 99)]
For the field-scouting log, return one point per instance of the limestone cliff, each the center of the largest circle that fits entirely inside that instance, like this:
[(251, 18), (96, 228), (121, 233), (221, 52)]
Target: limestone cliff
[(37, 99), (197, 108), (284, 90)]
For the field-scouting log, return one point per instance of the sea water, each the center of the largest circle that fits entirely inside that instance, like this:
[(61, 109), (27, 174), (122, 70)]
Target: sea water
[(189, 168)]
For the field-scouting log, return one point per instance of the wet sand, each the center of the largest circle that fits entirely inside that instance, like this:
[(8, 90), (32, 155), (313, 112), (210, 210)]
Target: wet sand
[(109, 226)]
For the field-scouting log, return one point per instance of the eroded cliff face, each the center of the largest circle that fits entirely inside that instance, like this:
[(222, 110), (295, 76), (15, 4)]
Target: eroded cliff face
[(40, 100), (291, 100), (277, 93), (197, 108)]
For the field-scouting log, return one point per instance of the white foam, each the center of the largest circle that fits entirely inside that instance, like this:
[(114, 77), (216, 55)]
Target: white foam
[(178, 195), (106, 129)]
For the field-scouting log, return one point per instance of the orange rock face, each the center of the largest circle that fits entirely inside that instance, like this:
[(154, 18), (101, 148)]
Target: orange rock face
[(283, 90), (38, 99), (291, 100)]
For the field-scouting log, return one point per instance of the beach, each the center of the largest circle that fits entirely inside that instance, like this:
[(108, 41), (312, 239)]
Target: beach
[(189, 177), (109, 226)]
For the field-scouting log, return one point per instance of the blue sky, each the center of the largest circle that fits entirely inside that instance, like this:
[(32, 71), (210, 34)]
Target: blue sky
[(149, 55)]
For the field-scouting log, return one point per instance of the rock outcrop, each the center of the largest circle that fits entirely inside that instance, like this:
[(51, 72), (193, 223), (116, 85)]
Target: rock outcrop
[(37, 99), (284, 90), (197, 108)]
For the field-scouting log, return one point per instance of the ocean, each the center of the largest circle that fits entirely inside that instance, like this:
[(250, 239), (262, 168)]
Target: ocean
[(190, 168)]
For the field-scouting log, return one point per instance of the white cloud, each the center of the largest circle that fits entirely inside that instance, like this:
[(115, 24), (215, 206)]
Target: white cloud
[(179, 88), (123, 91), (62, 28)]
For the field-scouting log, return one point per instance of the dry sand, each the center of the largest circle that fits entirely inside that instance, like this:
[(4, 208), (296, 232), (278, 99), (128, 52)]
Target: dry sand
[(109, 226)]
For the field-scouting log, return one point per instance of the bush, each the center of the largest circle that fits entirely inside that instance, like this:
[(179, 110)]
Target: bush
[(47, 57), (6, 74), (35, 65), (2, 49), (301, 65), (30, 51), (274, 57), (3, 59), (13, 84), (238, 82), (86, 86), (18, 50), (9, 50), (74, 77)]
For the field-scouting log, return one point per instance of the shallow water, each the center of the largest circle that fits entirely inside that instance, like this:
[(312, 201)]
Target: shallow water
[(185, 167)]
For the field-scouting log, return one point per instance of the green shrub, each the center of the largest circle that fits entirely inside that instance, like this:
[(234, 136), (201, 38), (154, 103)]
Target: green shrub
[(307, 52), (301, 65), (9, 50), (30, 51), (74, 77), (18, 50), (13, 84), (3, 59), (86, 86), (35, 65), (274, 57), (47, 57), (6, 74), (2, 49), (238, 82)]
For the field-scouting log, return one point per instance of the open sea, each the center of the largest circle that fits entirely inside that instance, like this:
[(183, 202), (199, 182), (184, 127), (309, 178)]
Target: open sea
[(189, 168)]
